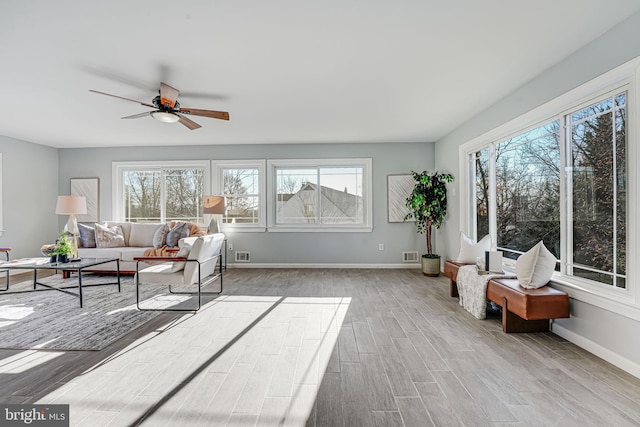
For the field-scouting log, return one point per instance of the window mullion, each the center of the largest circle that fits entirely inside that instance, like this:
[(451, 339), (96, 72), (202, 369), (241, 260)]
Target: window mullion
[(163, 210), (566, 200), (472, 196), (492, 202)]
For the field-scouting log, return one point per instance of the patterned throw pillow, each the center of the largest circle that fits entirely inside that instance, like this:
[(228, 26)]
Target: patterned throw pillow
[(87, 236), (109, 237), (160, 236), (178, 231)]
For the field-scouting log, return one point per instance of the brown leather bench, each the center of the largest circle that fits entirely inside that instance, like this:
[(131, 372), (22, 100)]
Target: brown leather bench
[(523, 310)]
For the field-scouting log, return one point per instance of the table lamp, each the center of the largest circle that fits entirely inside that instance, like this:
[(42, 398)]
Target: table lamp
[(72, 206), (216, 206)]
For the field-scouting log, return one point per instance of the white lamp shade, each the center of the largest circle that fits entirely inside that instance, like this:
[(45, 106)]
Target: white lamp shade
[(71, 205)]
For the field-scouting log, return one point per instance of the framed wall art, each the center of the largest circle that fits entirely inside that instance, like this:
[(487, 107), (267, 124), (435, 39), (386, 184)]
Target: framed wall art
[(89, 188), (398, 189)]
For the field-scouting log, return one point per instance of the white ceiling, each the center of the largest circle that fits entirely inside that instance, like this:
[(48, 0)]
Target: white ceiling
[(286, 70)]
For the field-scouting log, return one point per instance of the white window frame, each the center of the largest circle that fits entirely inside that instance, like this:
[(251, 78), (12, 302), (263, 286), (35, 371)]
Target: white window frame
[(217, 175), (625, 77), (1, 200), (118, 169), (367, 193)]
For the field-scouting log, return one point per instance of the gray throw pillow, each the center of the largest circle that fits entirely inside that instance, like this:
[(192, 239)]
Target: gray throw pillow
[(87, 236), (178, 231)]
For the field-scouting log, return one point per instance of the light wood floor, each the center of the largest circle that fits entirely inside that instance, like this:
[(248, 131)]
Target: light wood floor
[(327, 348)]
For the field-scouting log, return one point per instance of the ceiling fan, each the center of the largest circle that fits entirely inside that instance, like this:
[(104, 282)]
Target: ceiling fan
[(168, 109)]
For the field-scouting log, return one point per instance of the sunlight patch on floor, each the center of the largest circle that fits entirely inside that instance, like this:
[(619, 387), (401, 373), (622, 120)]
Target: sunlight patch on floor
[(252, 357)]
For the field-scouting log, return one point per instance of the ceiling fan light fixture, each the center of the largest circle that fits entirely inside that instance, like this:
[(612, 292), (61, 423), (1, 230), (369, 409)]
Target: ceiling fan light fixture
[(164, 116)]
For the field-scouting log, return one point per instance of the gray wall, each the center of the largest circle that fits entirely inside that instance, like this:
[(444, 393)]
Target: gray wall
[(615, 333), (30, 190), (283, 248)]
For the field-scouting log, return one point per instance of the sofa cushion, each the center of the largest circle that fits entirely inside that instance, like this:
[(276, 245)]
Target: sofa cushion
[(130, 252), (142, 234), (87, 236), (179, 231), (109, 236), (100, 252), (160, 236)]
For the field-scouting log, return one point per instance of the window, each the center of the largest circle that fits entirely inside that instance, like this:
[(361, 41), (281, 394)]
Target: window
[(528, 191), (159, 192), (515, 191), (596, 146), (242, 183), (327, 194), (596, 126)]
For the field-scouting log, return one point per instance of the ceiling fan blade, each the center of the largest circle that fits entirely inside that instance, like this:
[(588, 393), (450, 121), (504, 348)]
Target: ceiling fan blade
[(188, 122), (223, 115), (168, 94), (120, 97), (136, 116)]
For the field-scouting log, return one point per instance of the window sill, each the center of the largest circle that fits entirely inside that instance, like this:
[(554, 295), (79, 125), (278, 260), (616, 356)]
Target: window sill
[(311, 229), (243, 229)]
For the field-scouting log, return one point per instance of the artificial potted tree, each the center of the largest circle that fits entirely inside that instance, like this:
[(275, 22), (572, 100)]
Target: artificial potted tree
[(427, 205)]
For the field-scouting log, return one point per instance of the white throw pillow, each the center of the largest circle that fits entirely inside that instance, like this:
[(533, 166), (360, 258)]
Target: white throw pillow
[(535, 267), (470, 250), (182, 253)]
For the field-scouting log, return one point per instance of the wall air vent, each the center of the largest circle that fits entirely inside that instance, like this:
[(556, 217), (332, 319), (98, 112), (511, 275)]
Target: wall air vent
[(243, 256), (411, 256)]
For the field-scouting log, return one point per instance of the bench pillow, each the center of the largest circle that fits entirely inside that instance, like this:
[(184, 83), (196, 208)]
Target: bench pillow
[(470, 250), (535, 267)]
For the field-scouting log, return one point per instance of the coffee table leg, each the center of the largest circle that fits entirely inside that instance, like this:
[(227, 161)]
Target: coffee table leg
[(35, 277), (118, 273), (80, 286)]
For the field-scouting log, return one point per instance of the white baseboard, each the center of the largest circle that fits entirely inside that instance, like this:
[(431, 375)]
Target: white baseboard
[(337, 265), (604, 353)]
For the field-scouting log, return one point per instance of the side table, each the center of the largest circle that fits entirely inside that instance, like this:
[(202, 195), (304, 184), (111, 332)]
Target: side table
[(4, 270)]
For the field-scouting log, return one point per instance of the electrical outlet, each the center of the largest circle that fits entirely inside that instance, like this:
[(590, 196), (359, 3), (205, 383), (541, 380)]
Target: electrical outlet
[(230, 246), (381, 247)]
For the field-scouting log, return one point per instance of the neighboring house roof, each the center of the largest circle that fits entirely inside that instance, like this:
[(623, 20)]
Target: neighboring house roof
[(334, 203)]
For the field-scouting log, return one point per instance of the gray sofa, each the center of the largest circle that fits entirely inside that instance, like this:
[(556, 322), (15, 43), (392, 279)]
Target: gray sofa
[(138, 238)]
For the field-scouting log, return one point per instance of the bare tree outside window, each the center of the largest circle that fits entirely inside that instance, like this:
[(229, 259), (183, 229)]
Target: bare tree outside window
[(163, 195), (598, 161), (241, 188)]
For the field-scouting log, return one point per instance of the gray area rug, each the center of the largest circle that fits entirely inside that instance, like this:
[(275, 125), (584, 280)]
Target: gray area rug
[(54, 320)]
